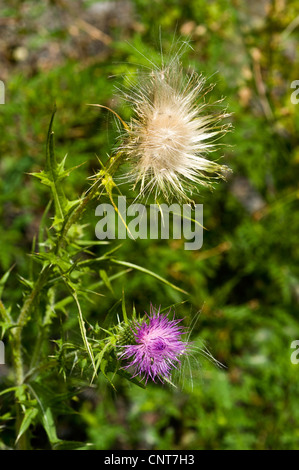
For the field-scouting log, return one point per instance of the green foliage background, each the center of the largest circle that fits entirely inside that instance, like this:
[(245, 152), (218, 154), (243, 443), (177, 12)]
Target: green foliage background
[(245, 278)]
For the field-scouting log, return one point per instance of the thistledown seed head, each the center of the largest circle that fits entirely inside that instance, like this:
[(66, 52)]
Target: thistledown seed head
[(157, 349), (171, 135)]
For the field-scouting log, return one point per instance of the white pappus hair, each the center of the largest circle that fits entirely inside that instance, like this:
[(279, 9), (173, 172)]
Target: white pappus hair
[(172, 133)]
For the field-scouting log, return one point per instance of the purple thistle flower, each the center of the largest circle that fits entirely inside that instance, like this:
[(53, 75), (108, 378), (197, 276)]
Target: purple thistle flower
[(158, 347)]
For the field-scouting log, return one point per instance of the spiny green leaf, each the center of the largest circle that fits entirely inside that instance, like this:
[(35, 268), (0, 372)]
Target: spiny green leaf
[(8, 390), (53, 174), (147, 271), (106, 280), (53, 259), (99, 358), (42, 227), (40, 393), (48, 163), (72, 445), (123, 305), (83, 330), (62, 173), (20, 393), (123, 373), (26, 282), (44, 177), (3, 280), (103, 367), (101, 258), (29, 416)]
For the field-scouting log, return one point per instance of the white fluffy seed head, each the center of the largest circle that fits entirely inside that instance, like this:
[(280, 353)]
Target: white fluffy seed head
[(171, 133)]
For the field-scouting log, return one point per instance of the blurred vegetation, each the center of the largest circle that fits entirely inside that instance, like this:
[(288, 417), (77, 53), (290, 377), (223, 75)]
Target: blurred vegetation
[(245, 279)]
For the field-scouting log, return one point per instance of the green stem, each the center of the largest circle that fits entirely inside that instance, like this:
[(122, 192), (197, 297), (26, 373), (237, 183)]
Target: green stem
[(4, 313), (22, 320)]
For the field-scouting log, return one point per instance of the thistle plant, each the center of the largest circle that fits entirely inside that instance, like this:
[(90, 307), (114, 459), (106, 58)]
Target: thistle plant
[(167, 143)]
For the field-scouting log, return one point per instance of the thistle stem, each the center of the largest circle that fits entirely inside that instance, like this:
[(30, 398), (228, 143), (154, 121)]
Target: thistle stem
[(22, 320)]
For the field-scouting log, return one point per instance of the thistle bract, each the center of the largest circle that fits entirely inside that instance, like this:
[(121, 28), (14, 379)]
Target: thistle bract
[(158, 347)]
